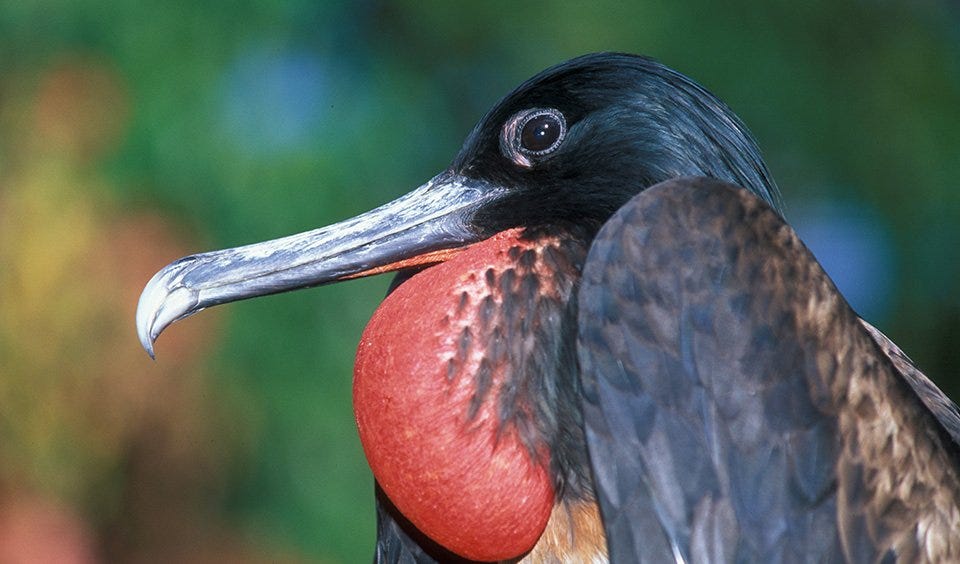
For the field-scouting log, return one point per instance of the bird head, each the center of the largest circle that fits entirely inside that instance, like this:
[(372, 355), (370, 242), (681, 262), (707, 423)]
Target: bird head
[(575, 142), (564, 150)]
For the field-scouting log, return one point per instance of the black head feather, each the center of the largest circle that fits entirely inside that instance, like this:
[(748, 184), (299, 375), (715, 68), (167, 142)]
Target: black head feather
[(631, 123)]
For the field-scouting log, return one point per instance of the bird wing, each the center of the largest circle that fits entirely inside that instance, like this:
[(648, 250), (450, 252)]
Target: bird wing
[(394, 545), (400, 542), (942, 407), (736, 408)]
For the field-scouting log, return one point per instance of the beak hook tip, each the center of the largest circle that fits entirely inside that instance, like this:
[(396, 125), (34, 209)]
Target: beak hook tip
[(149, 348)]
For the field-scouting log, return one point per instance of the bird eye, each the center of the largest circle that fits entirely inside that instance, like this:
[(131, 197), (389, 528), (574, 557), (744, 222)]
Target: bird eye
[(533, 133), (541, 132)]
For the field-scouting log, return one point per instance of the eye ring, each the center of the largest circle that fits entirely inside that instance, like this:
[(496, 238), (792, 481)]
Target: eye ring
[(533, 133), (540, 132)]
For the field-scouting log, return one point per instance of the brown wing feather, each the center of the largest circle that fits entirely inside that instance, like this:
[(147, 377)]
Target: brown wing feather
[(942, 407), (714, 346), (899, 468)]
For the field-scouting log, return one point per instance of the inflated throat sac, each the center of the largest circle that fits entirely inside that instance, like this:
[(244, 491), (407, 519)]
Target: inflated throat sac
[(427, 387)]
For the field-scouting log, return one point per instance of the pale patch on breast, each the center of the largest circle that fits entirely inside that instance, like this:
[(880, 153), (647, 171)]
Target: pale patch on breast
[(574, 534)]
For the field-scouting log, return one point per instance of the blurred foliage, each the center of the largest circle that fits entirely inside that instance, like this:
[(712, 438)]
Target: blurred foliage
[(133, 133)]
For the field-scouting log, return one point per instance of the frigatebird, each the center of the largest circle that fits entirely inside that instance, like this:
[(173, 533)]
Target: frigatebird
[(605, 343)]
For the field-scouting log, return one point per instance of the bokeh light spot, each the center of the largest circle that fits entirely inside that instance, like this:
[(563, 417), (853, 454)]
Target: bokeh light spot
[(855, 248)]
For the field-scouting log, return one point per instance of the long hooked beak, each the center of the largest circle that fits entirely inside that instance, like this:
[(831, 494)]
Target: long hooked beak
[(426, 226)]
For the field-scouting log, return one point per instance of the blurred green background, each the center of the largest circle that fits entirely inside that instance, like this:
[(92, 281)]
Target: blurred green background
[(132, 133)]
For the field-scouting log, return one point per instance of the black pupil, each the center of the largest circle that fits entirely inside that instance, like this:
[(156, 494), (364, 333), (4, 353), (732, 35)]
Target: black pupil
[(540, 133)]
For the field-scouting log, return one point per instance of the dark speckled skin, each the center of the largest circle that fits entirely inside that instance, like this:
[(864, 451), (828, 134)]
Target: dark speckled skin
[(465, 398)]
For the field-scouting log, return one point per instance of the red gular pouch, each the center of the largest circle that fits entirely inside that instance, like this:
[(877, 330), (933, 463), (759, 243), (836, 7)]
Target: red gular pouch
[(426, 395)]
